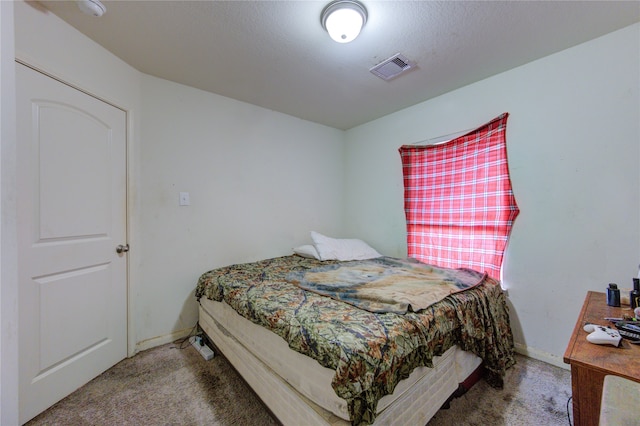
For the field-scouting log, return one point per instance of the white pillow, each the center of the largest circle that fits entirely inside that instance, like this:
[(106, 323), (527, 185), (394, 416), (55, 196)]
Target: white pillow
[(307, 251), (342, 249)]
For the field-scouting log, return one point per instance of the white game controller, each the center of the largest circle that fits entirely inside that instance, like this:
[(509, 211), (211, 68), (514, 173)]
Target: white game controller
[(601, 335)]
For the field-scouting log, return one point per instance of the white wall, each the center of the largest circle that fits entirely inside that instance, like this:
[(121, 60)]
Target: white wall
[(573, 143), (8, 257), (258, 182)]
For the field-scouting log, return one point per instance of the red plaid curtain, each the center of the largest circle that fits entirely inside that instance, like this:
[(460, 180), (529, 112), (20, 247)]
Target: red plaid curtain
[(458, 199)]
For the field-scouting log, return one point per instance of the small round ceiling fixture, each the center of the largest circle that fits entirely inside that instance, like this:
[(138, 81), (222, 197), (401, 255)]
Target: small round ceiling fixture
[(92, 7), (343, 19)]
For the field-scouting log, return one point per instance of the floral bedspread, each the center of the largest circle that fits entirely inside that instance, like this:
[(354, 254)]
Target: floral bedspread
[(370, 352)]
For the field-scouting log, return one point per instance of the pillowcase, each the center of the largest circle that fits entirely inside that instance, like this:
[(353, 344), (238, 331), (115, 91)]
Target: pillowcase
[(307, 251), (342, 249)]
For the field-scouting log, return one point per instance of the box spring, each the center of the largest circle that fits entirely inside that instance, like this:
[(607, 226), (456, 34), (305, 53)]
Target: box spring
[(298, 390)]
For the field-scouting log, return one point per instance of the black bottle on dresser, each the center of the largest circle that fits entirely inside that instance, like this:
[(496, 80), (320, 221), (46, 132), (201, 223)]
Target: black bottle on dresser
[(634, 295), (613, 295)]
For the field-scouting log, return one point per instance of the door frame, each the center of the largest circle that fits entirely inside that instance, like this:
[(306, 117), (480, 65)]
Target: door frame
[(129, 189)]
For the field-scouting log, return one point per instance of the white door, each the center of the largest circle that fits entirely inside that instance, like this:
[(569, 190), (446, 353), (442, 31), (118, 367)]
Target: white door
[(72, 300)]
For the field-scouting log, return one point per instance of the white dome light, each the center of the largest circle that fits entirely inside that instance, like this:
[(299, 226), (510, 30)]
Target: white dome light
[(343, 19), (91, 7)]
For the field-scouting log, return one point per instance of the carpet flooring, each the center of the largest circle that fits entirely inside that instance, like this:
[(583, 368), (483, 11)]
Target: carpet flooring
[(172, 386)]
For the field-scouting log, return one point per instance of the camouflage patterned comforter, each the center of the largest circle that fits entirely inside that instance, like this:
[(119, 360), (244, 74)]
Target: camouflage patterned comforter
[(370, 352)]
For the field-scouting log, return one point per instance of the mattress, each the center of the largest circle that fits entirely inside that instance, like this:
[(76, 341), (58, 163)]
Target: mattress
[(313, 381)]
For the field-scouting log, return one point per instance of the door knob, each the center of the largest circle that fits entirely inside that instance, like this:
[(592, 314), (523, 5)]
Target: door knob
[(122, 248)]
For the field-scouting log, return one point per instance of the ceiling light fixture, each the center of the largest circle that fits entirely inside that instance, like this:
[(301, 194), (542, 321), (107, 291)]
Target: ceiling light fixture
[(343, 19), (92, 7)]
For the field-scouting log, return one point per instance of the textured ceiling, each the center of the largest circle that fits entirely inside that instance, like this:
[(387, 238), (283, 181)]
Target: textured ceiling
[(275, 54)]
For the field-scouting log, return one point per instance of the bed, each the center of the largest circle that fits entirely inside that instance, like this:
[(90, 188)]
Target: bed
[(315, 359)]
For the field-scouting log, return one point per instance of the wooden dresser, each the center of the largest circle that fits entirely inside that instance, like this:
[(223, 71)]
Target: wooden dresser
[(590, 363)]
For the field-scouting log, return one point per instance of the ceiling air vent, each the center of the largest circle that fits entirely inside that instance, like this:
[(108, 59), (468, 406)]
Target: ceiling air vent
[(393, 67)]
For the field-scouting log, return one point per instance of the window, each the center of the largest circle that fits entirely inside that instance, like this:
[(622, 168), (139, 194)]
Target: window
[(458, 200)]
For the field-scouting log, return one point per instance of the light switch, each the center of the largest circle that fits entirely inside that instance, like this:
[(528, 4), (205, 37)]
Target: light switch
[(184, 199)]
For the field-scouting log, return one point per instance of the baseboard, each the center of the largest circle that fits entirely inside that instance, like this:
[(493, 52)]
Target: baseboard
[(162, 340), (520, 348), (541, 356)]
